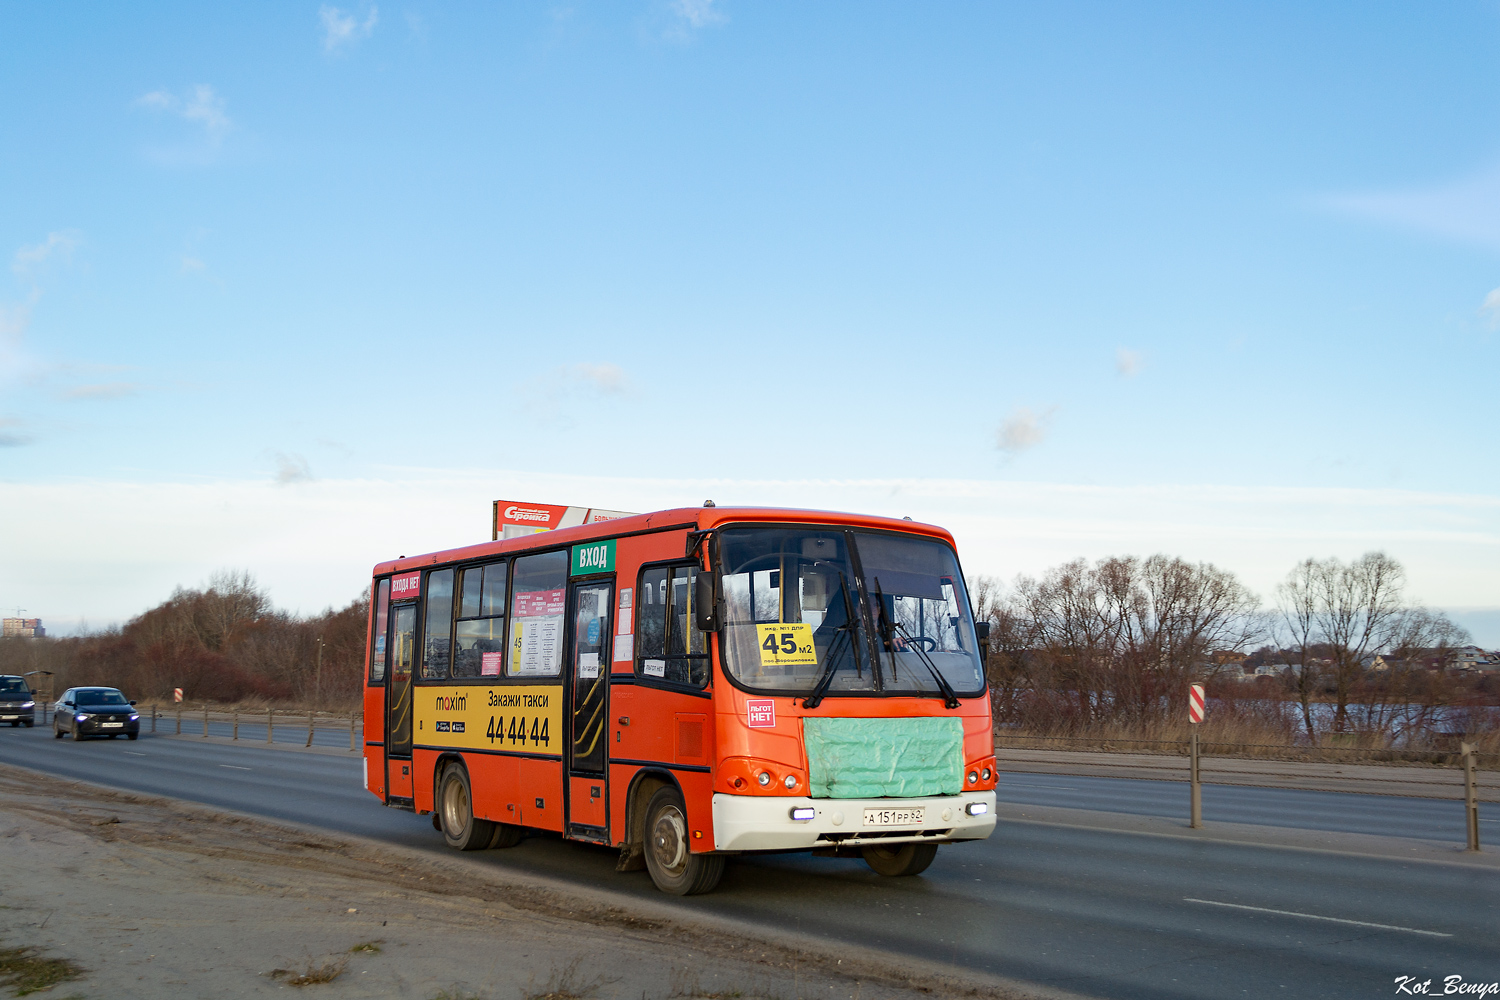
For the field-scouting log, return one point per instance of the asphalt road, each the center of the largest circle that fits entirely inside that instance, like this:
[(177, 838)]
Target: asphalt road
[(1071, 905)]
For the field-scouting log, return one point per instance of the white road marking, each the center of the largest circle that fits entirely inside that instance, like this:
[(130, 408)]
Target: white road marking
[(133, 753), (235, 767), (1314, 916)]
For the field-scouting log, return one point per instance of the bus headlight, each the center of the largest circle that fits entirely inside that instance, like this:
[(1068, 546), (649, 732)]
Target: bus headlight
[(977, 808), (803, 813), (985, 774), (790, 781), (764, 778), (973, 777)]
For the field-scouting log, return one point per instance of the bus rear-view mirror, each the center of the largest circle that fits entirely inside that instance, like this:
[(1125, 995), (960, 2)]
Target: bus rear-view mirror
[(705, 603)]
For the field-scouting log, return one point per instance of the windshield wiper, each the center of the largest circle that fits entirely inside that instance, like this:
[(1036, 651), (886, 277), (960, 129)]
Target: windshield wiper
[(950, 698), (845, 630)]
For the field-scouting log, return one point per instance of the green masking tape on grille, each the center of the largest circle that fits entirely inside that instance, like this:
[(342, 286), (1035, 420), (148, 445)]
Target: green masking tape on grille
[(865, 758)]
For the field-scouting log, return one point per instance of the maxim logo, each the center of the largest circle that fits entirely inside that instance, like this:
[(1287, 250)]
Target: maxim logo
[(514, 513), (452, 704)]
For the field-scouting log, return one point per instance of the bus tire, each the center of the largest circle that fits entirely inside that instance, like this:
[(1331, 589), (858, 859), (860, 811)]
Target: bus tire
[(507, 835), (900, 859), (669, 857), (461, 829)]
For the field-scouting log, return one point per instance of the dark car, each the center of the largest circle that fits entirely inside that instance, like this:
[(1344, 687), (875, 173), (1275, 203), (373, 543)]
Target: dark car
[(95, 711), (16, 704)]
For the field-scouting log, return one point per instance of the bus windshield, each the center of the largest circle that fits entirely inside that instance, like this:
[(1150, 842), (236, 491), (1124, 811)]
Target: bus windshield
[(845, 612)]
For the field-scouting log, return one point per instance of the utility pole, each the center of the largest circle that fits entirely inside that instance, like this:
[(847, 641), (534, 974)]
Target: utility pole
[(318, 678)]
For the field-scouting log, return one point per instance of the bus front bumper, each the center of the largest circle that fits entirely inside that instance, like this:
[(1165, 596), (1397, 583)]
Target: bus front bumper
[(766, 823)]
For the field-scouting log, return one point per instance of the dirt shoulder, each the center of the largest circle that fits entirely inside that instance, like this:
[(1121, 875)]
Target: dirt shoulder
[(151, 897)]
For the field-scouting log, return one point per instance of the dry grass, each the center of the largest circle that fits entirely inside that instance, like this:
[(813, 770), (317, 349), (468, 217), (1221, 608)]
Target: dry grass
[(567, 984), (324, 972), (367, 947), (25, 971), (687, 984)]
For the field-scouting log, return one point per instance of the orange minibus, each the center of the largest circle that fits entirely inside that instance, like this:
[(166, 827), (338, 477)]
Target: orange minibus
[(686, 686)]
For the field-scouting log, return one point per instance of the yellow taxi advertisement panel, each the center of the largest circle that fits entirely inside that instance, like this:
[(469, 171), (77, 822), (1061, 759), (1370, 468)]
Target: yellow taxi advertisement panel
[(786, 645), (526, 719)]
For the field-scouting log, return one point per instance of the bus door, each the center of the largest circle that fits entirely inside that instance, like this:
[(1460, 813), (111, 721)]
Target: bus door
[(587, 709), (403, 650)]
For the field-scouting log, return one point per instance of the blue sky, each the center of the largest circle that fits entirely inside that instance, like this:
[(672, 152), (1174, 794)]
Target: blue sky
[(305, 258)]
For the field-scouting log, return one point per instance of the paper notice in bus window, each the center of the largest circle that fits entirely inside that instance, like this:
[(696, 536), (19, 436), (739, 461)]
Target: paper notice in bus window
[(624, 648), (535, 646), (790, 644), (654, 668), (588, 666), (625, 595), (489, 664), (538, 602), (624, 627)]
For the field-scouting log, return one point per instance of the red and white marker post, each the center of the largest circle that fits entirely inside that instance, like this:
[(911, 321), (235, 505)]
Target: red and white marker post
[(1195, 716)]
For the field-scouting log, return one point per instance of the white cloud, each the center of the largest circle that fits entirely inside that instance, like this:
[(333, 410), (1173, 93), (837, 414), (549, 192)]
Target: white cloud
[(698, 13), (201, 106), (1021, 430), (341, 28), (1491, 307), (29, 260), (103, 390), (313, 546), (292, 469), (553, 393), (1127, 362), (205, 120), (15, 318), (605, 378), (1466, 210), (685, 17), (13, 434)]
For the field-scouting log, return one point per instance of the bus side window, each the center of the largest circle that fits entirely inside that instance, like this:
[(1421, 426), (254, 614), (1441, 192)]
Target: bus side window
[(540, 587), (651, 620), (479, 636), (669, 645), (437, 626), (377, 641)]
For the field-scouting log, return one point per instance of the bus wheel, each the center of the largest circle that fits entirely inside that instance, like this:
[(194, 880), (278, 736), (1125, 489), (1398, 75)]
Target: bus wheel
[(672, 864), (507, 835), (900, 859), (456, 806)]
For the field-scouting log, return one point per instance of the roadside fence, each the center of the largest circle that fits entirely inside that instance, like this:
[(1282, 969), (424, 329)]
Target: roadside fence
[(270, 726), (1466, 775)]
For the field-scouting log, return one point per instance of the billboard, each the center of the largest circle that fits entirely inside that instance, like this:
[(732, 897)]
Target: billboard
[(514, 518)]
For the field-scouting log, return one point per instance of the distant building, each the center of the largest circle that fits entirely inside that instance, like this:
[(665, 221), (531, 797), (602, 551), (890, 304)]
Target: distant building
[(1473, 658), (24, 628), (1464, 658)]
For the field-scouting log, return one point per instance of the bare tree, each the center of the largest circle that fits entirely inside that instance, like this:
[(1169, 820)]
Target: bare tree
[(1337, 615), (1123, 637), (1296, 630)]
